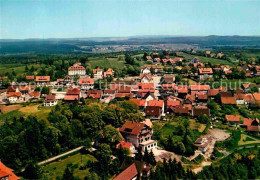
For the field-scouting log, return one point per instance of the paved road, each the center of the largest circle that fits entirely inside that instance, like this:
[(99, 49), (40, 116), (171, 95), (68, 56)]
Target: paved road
[(59, 156)]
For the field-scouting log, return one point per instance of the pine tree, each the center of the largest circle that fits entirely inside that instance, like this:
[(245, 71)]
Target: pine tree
[(146, 156), (152, 160)]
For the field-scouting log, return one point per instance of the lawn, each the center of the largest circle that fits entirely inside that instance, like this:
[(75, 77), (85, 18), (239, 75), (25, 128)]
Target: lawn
[(205, 59), (37, 110), (106, 62), (197, 126), (56, 169), (246, 140)]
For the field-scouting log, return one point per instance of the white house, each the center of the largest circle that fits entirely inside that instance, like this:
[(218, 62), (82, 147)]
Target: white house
[(77, 69), (50, 100), (98, 73), (86, 83)]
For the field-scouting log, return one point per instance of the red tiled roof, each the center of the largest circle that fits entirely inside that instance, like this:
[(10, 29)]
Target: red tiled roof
[(5, 171), (42, 78), (96, 70), (213, 92), (189, 106), (109, 91), (94, 94), (29, 77), (14, 94), (205, 71), (257, 97), (172, 103), (228, 100), (124, 95), (199, 87), (34, 94), (131, 127), (128, 174), (50, 98), (182, 89), (71, 97), (148, 76), (253, 128), (87, 81), (249, 98), (124, 145), (71, 68), (158, 103), (11, 89), (249, 121), (202, 97), (232, 118), (181, 110), (73, 91), (146, 85), (139, 102)]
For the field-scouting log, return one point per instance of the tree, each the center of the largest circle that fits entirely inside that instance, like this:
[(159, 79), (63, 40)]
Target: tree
[(146, 156), (68, 173), (139, 155), (129, 59), (152, 160), (32, 171)]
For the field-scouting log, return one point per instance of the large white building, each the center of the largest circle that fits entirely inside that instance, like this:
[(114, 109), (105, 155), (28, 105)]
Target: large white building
[(77, 69), (98, 73)]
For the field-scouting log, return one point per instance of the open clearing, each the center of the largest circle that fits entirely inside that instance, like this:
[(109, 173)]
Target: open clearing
[(6, 109), (37, 110), (219, 134), (56, 169), (245, 140)]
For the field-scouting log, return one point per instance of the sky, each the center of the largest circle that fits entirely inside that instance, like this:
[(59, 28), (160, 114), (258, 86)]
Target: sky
[(21, 19)]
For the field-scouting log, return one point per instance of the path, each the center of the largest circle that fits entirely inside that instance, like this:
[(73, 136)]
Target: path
[(156, 81), (59, 156)]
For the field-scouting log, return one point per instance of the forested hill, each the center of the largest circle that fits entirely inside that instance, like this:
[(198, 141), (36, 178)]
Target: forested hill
[(86, 44)]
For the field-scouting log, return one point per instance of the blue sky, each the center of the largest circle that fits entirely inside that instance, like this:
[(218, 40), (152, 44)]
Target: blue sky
[(21, 19)]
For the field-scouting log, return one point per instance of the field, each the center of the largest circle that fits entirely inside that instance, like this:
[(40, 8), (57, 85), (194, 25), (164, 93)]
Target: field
[(106, 62), (234, 83), (246, 140), (37, 110), (56, 169), (18, 111), (205, 59)]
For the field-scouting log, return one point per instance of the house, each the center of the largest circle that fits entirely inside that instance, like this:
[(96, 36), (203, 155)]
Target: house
[(200, 110), (95, 94), (76, 70), (125, 145), (220, 55), (156, 61), (245, 87), (199, 88), (41, 80), (208, 52), (178, 59), (141, 103), (13, 97), (249, 99), (139, 134), (34, 94), (50, 100), (29, 78), (149, 58), (251, 125), (7, 173), (240, 98), (123, 95), (182, 90), (86, 83), (212, 93), (228, 100), (146, 78), (169, 79), (257, 98), (109, 92), (233, 119), (153, 112), (145, 70), (181, 110), (157, 103), (136, 170), (205, 73), (98, 73), (203, 143), (109, 73), (72, 94), (194, 60)]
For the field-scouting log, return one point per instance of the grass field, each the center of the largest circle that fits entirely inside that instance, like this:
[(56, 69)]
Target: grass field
[(106, 62), (37, 110), (246, 140), (56, 169), (205, 59)]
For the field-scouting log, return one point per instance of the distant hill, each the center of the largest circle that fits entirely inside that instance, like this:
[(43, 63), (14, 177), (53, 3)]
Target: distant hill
[(73, 45)]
